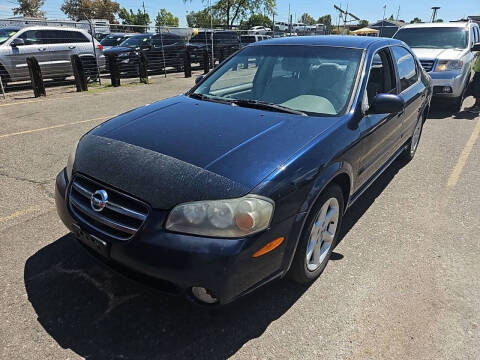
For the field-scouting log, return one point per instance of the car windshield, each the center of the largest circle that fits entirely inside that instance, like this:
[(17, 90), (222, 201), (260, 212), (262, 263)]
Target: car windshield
[(248, 39), (6, 34), (434, 37), (136, 41), (112, 40), (314, 80), (200, 37)]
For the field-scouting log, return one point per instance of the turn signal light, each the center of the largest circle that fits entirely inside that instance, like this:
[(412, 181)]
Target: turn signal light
[(272, 245)]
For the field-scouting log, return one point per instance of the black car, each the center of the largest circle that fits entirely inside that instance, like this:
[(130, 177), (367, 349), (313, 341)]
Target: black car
[(162, 51), (246, 177), (224, 44), (115, 39)]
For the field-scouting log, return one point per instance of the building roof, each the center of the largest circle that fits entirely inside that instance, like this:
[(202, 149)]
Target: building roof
[(359, 42), (393, 22)]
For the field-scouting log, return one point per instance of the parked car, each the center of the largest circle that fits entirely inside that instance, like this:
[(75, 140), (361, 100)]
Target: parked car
[(162, 50), (258, 30), (246, 177), (115, 39), (249, 39), (447, 52), (225, 43), (52, 47)]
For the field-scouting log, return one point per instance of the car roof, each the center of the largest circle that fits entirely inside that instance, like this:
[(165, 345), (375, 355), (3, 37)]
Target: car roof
[(460, 24), (38, 27), (358, 42)]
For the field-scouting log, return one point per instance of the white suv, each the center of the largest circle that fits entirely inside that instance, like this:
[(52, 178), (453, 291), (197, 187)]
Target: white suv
[(447, 51), (52, 47)]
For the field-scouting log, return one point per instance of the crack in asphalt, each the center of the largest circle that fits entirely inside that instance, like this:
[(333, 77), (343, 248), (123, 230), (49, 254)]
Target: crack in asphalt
[(18, 178), (113, 300)]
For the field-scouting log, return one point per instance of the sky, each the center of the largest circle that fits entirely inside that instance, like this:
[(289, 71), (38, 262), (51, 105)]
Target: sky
[(371, 10)]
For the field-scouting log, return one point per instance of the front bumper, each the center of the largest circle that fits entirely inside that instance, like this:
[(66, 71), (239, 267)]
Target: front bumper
[(456, 81), (177, 262)]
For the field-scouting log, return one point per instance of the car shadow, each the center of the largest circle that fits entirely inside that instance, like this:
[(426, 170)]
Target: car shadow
[(441, 110), (101, 315)]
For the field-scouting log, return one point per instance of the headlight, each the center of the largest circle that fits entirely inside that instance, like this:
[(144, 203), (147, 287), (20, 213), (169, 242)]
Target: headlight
[(71, 160), (449, 65), (222, 218)]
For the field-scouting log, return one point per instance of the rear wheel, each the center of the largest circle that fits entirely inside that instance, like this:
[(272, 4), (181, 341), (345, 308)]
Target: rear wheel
[(411, 149), (319, 237)]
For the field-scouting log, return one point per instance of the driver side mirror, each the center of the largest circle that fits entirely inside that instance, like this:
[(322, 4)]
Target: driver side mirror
[(386, 104), (476, 47), (17, 42), (198, 79)]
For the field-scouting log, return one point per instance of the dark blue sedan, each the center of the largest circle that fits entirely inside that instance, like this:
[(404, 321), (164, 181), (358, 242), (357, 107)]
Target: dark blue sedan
[(246, 177)]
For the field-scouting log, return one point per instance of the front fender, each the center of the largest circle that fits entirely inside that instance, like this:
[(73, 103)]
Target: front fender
[(325, 178)]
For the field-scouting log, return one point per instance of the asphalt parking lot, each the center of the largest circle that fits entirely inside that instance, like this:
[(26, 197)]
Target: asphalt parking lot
[(403, 282)]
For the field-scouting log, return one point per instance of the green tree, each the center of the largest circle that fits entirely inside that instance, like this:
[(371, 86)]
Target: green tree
[(327, 21), (201, 19), (307, 19), (256, 20), (363, 23), (29, 8), (165, 18), (130, 18), (416, 20), (231, 12), (91, 9), (439, 20), (391, 17)]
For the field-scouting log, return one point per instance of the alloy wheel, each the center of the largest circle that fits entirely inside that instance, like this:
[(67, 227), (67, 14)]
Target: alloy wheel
[(322, 234)]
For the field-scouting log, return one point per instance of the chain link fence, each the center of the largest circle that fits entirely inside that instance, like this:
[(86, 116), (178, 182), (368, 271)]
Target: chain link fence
[(124, 51)]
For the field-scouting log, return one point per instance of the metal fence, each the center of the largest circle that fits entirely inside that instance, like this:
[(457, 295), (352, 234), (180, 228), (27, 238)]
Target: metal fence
[(106, 49)]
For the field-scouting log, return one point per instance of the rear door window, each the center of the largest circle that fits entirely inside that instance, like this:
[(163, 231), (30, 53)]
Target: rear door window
[(406, 66)]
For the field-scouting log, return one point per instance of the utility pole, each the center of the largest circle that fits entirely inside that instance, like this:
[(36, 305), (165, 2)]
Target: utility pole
[(343, 15), (383, 19), (144, 15), (398, 12), (434, 13)]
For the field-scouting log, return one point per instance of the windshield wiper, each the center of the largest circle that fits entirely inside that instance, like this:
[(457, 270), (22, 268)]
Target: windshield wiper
[(209, 98), (267, 106)]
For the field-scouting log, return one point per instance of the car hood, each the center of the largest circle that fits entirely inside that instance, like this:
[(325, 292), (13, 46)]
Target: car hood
[(184, 149), (117, 49), (440, 54)]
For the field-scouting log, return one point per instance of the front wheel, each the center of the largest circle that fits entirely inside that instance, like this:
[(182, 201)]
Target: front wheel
[(319, 236)]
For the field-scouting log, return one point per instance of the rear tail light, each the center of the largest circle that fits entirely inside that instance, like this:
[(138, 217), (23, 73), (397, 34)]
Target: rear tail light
[(100, 47)]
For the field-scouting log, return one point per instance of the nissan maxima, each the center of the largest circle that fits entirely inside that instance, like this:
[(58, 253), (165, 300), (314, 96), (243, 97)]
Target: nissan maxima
[(246, 177)]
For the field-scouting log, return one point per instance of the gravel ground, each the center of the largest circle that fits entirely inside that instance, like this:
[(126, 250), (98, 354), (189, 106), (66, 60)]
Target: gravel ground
[(403, 282)]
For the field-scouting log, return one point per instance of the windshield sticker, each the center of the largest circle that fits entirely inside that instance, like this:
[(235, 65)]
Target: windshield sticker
[(145, 39)]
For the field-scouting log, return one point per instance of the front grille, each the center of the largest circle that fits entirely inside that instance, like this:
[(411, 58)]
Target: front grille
[(427, 64), (122, 216)]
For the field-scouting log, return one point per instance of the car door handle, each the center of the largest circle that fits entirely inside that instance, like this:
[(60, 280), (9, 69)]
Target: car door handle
[(72, 47), (42, 49)]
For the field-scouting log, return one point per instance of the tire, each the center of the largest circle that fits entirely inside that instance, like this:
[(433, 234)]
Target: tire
[(317, 242), (4, 76), (456, 105), (411, 149)]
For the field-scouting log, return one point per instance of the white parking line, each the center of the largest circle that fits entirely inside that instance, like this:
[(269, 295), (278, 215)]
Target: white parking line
[(462, 160), (55, 126)]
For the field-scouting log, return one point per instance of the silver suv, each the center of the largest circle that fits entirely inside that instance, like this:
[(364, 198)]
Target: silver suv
[(447, 51), (52, 47)]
